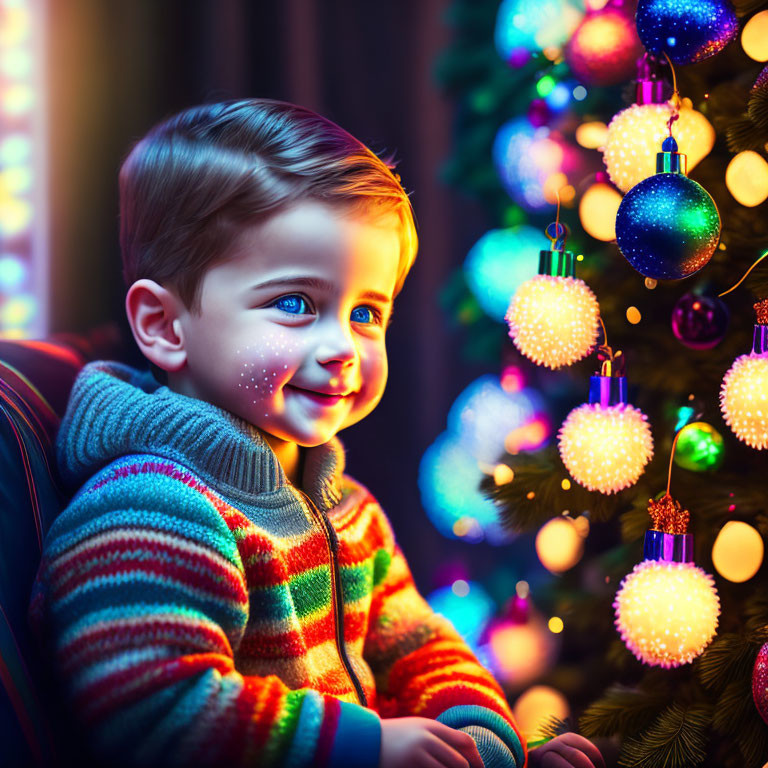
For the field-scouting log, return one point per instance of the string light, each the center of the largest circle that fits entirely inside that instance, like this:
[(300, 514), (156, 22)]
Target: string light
[(22, 273)]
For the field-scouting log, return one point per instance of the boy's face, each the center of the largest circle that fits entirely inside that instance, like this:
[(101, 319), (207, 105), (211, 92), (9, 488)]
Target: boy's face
[(299, 360)]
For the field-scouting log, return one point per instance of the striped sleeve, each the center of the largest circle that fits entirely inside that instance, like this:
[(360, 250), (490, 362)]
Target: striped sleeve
[(141, 608), (421, 664)]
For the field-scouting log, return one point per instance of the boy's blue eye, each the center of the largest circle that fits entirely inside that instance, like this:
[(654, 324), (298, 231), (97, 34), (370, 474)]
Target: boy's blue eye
[(292, 303), (366, 315)]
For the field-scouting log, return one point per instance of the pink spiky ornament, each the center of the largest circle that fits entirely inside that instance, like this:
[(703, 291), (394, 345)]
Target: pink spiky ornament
[(553, 317)]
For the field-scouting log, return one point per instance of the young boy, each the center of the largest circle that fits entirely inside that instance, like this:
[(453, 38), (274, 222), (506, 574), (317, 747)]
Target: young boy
[(218, 592)]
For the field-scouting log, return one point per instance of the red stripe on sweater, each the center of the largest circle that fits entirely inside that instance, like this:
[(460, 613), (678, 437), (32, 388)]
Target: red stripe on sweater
[(327, 731), (112, 637), (126, 686), (225, 590)]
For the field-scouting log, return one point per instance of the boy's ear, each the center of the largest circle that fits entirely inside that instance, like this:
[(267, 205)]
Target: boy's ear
[(153, 313)]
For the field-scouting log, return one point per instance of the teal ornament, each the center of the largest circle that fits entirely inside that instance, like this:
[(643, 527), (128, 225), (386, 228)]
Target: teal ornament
[(686, 30), (667, 226), (699, 447)]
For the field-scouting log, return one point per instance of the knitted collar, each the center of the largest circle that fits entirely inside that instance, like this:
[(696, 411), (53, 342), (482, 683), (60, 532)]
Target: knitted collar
[(116, 410)]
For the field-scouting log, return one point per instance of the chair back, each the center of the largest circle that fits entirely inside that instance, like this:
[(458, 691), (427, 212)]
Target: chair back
[(35, 381)]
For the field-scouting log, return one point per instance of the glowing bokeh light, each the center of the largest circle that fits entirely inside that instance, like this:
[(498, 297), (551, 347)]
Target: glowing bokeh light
[(449, 480), (559, 544), (666, 613), (747, 178), (503, 474), (533, 25), (15, 149), (499, 262), (754, 37), (604, 48), (16, 63), (15, 181), (591, 135), (597, 211), (521, 651), (556, 625), (737, 553), (534, 708), (13, 272), (533, 163), (16, 25), (17, 311), (17, 99), (15, 216), (468, 608), (559, 97), (484, 414)]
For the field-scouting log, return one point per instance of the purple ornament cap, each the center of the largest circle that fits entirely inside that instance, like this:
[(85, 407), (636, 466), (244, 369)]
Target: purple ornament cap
[(607, 390), (650, 84), (668, 547), (760, 339)]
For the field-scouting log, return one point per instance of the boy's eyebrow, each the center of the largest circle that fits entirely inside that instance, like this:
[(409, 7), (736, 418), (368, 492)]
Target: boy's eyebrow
[(317, 282)]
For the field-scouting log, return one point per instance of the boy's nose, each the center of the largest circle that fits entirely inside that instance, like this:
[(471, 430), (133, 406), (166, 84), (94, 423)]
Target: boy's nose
[(336, 345)]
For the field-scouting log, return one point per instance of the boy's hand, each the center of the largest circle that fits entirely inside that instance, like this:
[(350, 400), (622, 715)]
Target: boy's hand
[(418, 742), (568, 750)]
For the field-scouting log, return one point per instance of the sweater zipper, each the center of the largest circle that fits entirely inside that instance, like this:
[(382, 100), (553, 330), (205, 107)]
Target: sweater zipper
[(337, 597)]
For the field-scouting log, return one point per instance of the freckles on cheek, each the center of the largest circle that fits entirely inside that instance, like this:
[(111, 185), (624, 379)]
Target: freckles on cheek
[(265, 366)]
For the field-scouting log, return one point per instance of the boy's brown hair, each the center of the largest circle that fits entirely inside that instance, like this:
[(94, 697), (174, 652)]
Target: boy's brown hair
[(196, 178)]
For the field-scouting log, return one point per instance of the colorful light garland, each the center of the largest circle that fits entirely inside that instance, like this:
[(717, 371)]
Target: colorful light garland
[(23, 247)]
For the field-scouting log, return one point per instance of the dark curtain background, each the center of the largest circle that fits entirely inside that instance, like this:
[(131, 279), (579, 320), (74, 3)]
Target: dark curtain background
[(116, 67)]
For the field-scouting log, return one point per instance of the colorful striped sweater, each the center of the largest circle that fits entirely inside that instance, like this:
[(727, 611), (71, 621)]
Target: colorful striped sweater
[(188, 599)]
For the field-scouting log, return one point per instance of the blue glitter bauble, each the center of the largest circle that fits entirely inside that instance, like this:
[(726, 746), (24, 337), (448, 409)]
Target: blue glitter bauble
[(667, 226), (686, 30)]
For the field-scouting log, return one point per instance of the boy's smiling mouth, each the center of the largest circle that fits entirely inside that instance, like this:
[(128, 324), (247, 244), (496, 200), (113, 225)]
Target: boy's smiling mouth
[(322, 398)]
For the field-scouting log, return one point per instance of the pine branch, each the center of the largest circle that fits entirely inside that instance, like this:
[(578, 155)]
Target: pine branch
[(541, 474), (736, 716), (733, 706), (730, 657), (756, 617), (676, 739), (622, 710), (554, 726)]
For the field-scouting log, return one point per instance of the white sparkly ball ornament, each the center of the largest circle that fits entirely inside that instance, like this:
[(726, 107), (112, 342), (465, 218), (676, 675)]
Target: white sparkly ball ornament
[(606, 443), (553, 317), (634, 135), (744, 392), (667, 609)]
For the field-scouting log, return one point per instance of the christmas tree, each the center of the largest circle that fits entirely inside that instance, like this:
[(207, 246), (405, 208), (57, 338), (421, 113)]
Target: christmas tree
[(541, 88)]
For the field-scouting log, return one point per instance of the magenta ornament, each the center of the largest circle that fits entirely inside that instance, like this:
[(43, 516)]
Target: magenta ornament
[(760, 682), (699, 322)]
